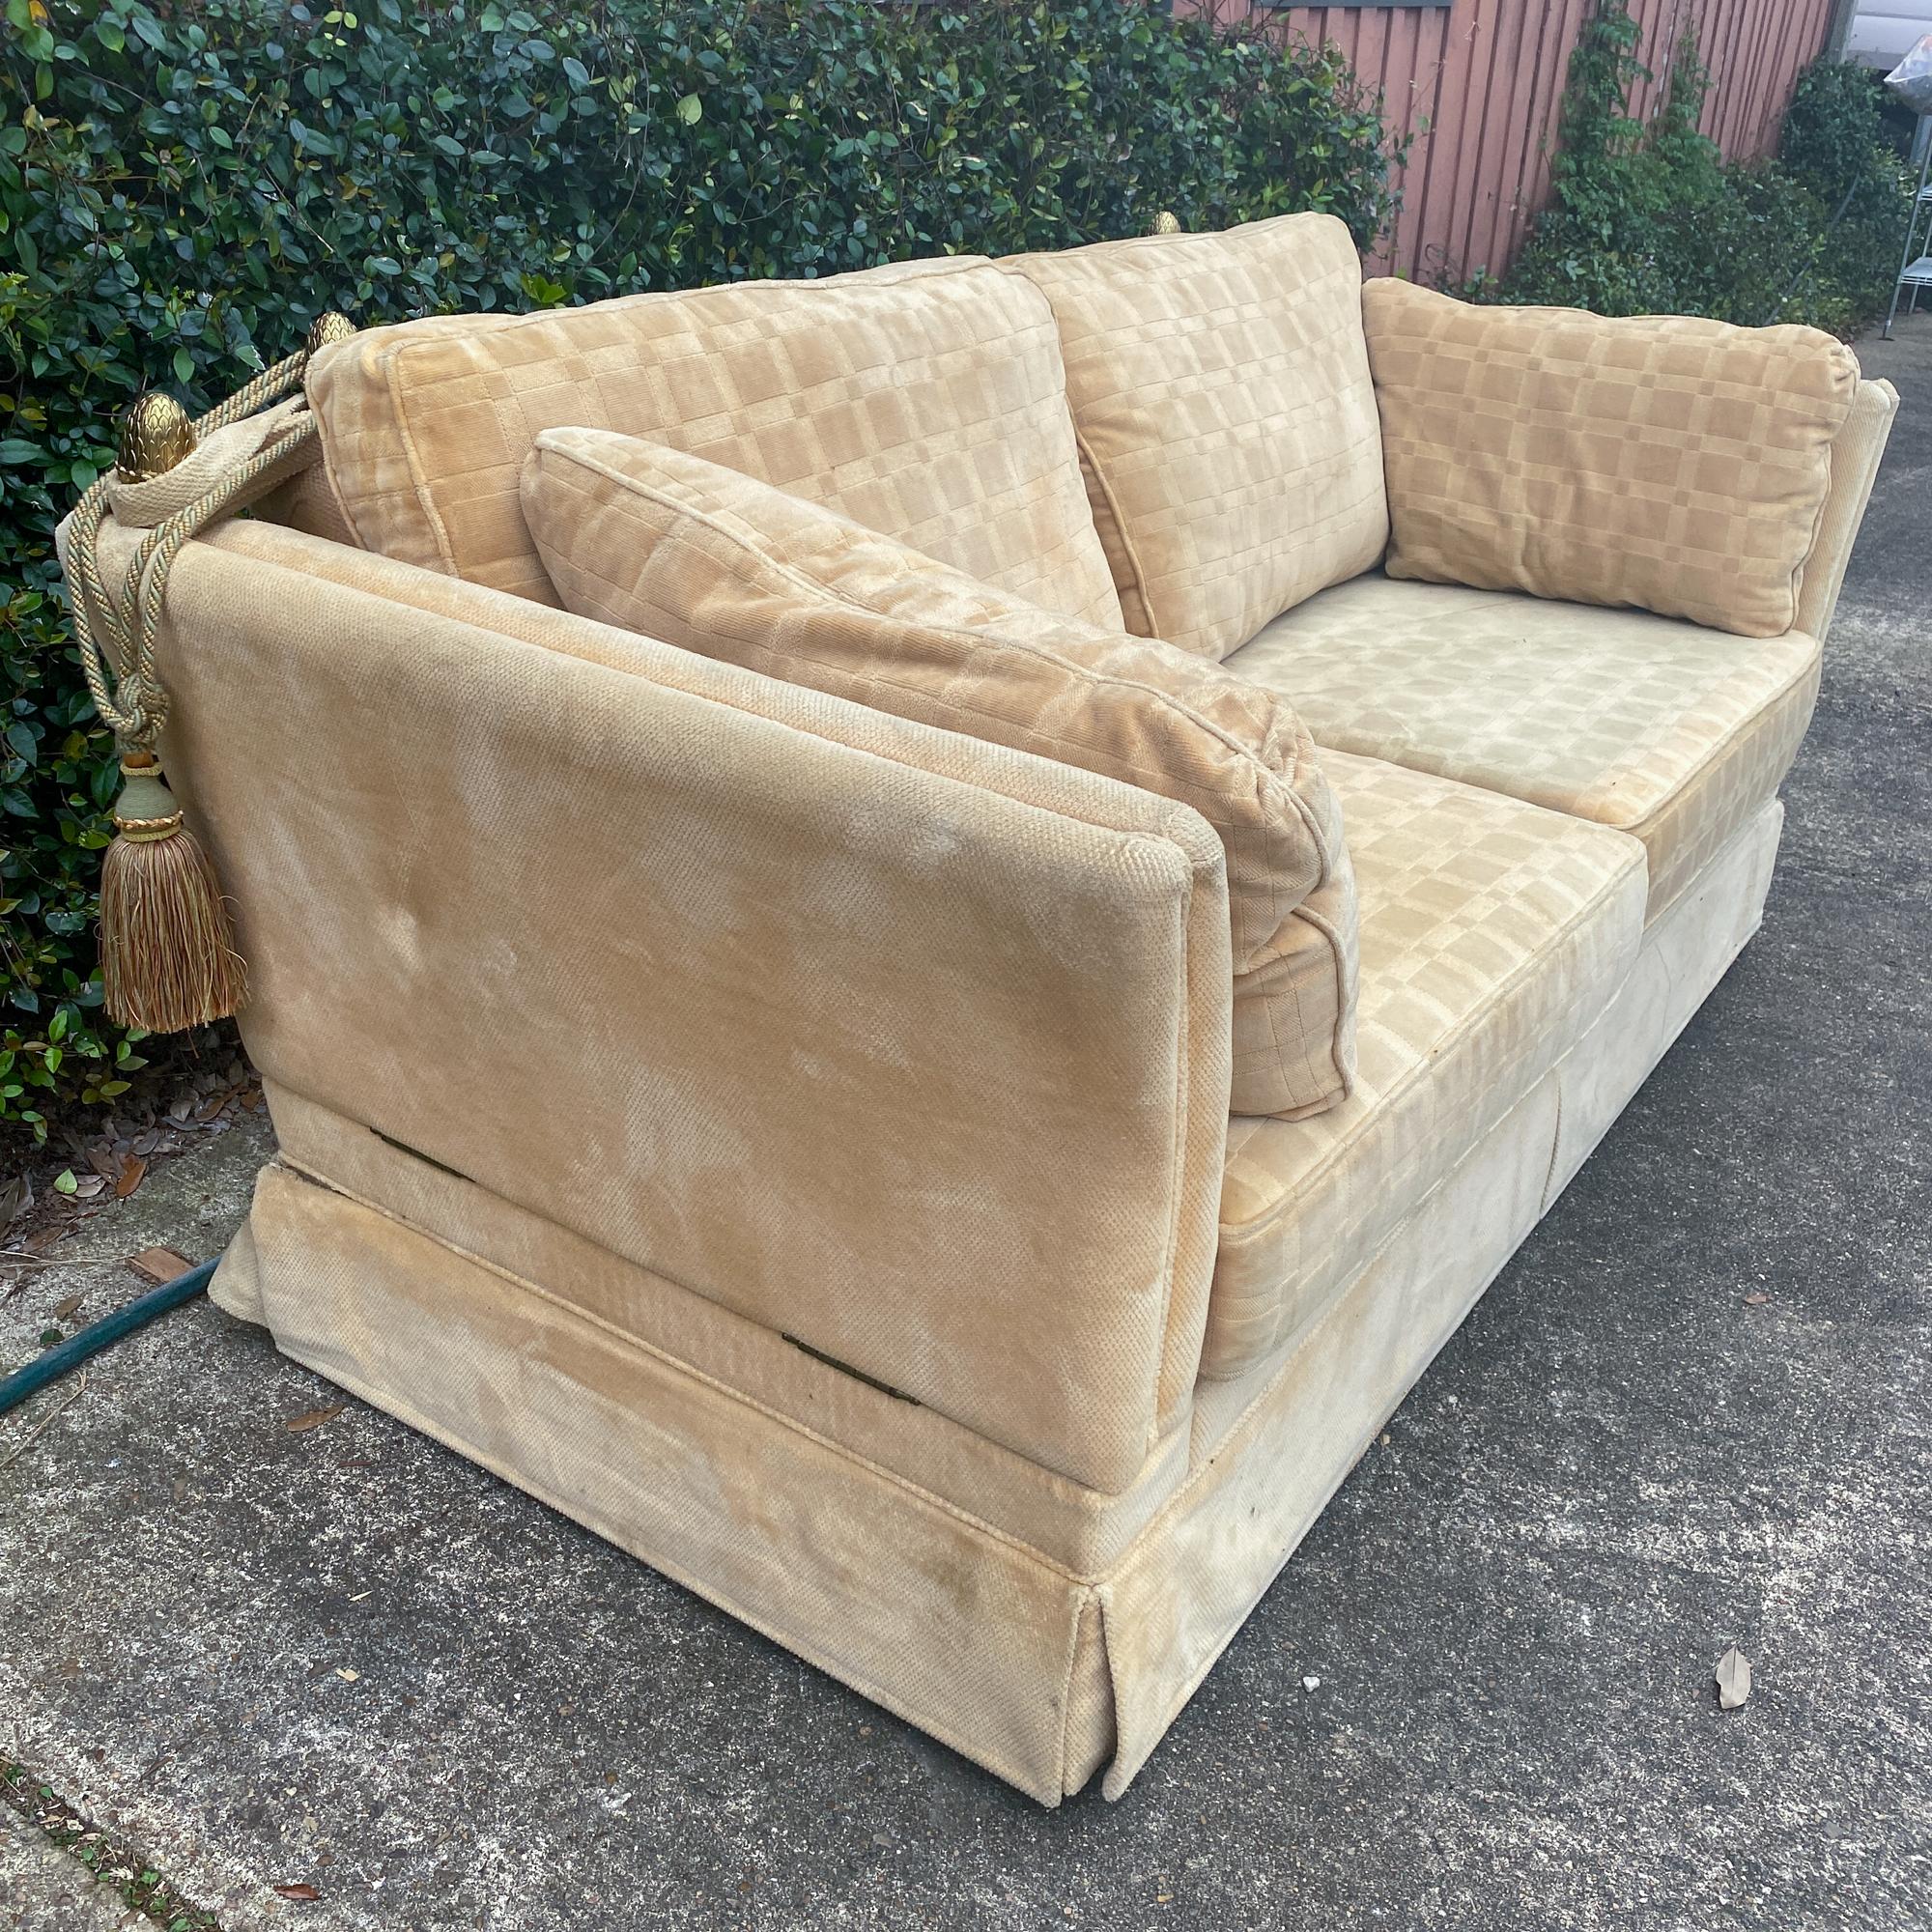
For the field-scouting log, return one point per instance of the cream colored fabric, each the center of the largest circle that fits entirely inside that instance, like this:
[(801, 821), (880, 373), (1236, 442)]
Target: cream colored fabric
[(1667, 461), (827, 1016), (308, 503), (1040, 1670), (925, 400), (1856, 455), (1220, 387), (1492, 933), (955, 1627), (1672, 734), (680, 548), (1074, 1528), (1707, 926)]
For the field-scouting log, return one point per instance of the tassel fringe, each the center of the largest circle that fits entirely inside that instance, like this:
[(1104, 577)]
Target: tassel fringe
[(167, 945)]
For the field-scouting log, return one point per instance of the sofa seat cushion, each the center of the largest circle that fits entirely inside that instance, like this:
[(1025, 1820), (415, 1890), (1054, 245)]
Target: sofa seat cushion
[(1668, 731), (656, 541), (1228, 426), (1492, 934), (925, 400)]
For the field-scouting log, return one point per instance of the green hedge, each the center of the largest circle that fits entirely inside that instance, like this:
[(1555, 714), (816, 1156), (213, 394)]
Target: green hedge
[(184, 186), (1646, 217)]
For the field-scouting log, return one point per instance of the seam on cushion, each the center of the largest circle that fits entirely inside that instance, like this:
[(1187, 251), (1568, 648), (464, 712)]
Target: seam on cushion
[(412, 456), (334, 487), (1717, 752), (1127, 544), (798, 1644), (316, 1178), (1344, 1079), (1236, 1235), (341, 503), (1765, 727)]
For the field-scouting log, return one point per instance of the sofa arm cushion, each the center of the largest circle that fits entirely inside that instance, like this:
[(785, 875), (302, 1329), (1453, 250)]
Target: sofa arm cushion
[(1667, 462), (664, 543), (907, 1046)]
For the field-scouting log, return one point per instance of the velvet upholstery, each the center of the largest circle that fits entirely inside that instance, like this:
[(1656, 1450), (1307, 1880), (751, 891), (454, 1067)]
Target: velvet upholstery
[(636, 534), (877, 965), (1667, 462), (956, 1617), (1660, 728), (1493, 934), (1220, 388), (925, 400), (794, 1137)]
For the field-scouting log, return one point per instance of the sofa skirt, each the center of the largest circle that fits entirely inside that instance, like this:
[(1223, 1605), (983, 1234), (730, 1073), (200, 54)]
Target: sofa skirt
[(1040, 1630)]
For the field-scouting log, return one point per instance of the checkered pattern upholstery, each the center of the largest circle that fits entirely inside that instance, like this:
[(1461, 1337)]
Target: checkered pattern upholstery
[(696, 554), (1492, 934), (1666, 461), (925, 400), (1665, 730), (1220, 387)]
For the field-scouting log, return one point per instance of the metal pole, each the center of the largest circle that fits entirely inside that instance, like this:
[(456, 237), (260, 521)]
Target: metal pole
[(1922, 144)]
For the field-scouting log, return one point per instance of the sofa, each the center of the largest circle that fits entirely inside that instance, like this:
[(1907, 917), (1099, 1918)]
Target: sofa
[(914, 939)]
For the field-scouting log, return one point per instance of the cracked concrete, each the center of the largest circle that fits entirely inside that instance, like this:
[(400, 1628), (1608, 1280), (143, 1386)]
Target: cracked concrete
[(343, 1657)]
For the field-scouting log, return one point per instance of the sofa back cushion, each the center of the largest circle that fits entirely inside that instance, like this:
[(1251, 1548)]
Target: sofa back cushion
[(683, 550), (1227, 423), (1667, 461), (923, 400)]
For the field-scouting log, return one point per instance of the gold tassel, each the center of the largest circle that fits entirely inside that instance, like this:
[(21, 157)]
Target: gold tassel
[(167, 945)]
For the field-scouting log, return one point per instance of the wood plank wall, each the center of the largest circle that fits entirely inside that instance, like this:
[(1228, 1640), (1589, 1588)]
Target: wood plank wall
[(1479, 82)]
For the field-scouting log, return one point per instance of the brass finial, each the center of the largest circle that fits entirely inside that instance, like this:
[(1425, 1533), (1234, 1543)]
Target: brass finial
[(155, 435), (330, 325), (1167, 222)]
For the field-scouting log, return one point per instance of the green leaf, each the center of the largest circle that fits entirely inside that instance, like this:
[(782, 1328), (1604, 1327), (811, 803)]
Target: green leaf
[(65, 1182), (689, 108)]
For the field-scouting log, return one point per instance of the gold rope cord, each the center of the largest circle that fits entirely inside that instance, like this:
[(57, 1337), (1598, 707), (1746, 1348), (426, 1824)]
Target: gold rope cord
[(121, 678)]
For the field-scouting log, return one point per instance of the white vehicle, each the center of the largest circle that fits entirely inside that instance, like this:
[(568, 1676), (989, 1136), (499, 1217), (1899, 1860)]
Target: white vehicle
[(1879, 31)]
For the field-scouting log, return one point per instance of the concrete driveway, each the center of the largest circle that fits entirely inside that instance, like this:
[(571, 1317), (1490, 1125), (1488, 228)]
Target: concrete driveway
[(1692, 1412)]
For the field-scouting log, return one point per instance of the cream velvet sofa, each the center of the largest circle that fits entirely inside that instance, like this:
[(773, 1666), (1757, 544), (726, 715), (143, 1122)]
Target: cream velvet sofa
[(793, 1140)]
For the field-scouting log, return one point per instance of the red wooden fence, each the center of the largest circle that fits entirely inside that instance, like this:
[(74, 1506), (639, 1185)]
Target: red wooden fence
[(1478, 84)]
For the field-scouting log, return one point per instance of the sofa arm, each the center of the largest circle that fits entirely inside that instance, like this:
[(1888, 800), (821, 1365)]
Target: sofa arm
[(1856, 451), (910, 1047)]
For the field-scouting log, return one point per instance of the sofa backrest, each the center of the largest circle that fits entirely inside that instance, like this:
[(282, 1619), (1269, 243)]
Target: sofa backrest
[(1227, 427), (925, 400)]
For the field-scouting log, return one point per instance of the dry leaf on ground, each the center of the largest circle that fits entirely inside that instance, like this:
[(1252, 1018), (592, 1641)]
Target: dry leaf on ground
[(1757, 1299), (129, 1177), (16, 1197), (67, 1305), (159, 1264), (297, 1891), (311, 1418), (1733, 1678)]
